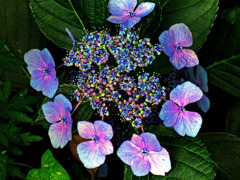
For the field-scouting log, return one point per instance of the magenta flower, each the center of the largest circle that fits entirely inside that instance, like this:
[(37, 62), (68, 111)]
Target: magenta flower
[(41, 66), (202, 81), (174, 114), (58, 113), (173, 41), (93, 153), (144, 153), (123, 12)]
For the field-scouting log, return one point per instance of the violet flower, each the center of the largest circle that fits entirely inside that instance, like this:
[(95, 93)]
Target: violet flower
[(123, 11), (173, 111), (41, 66), (93, 153), (144, 153), (58, 113), (173, 41)]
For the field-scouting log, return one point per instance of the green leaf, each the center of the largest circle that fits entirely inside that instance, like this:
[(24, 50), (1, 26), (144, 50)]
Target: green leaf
[(3, 165), (225, 150), (225, 74), (27, 138), (198, 15), (15, 172), (50, 169), (7, 60), (17, 26), (5, 91), (189, 157), (233, 118)]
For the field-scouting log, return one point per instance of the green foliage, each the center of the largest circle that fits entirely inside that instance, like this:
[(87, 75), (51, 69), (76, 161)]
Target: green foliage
[(225, 74), (3, 165), (189, 157), (50, 169), (225, 150)]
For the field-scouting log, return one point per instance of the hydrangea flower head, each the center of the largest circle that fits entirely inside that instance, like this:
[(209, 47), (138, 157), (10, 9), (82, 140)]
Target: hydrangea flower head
[(144, 154), (93, 153), (123, 12), (41, 66), (173, 41), (202, 81), (173, 111), (58, 113)]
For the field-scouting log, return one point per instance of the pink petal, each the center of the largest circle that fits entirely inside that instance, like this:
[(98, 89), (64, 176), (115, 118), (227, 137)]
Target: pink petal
[(168, 44), (86, 129), (182, 35), (60, 133), (190, 57), (118, 19), (105, 146), (144, 9), (63, 104), (90, 154), (188, 123), (169, 113), (138, 141), (120, 7), (127, 151), (103, 130), (140, 165), (177, 60), (51, 112), (151, 142), (160, 162), (131, 22), (186, 93)]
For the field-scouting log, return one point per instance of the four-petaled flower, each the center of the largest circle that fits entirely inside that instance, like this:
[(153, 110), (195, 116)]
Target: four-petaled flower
[(174, 114), (58, 113), (93, 153), (123, 12), (41, 66), (202, 81), (173, 41), (144, 153)]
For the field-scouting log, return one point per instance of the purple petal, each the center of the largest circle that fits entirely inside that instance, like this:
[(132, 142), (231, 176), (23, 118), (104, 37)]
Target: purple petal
[(201, 77), (37, 79), (204, 103), (51, 112), (50, 86), (118, 19), (151, 142), (86, 129), (34, 60), (63, 104), (47, 57), (60, 133), (140, 165), (103, 130), (105, 146), (190, 57), (169, 113), (90, 154), (188, 123), (178, 60), (127, 151), (186, 93), (159, 161), (131, 22), (70, 35), (167, 42), (120, 7), (138, 141), (182, 35), (144, 9)]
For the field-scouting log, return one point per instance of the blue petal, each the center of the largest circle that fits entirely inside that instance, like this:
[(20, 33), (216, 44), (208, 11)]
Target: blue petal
[(70, 35), (131, 22), (34, 60), (169, 113), (50, 87), (151, 142), (60, 133), (140, 165), (103, 130), (51, 112), (120, 7), (86, 129), (118, 19), (47, 57), (90, 154), (177, 60), (204, 103), (191, 74), (144, 9), (201, 77), (63, 104), (37, 79), (167, 43)]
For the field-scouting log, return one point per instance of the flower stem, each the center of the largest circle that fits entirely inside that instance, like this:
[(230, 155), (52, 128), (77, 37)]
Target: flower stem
[(78, 105), (59, 66), (20, 164), (102, 117), (142, 128)]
